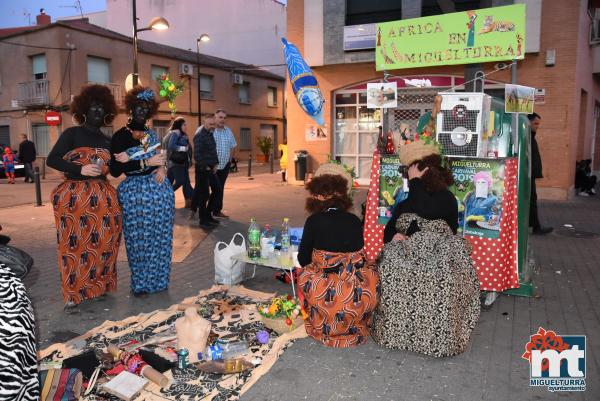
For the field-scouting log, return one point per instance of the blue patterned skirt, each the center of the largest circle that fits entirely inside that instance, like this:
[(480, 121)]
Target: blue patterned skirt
[(148, 214)]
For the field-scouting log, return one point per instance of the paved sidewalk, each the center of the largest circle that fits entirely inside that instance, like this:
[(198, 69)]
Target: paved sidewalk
[(568, 288)]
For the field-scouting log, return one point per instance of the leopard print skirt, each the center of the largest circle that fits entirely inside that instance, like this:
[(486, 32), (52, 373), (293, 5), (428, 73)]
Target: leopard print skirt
[(429, 291)]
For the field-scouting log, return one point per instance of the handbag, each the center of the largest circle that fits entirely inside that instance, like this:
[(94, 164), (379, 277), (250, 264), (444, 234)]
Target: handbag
[(60, 384), (179, 157), (228, 271)]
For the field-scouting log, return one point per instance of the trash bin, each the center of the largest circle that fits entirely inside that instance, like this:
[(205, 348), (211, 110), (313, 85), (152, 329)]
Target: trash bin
[(300, 162)]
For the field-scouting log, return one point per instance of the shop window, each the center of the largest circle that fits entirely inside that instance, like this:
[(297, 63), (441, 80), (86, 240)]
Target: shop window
[(368, 12), (244, 93), (38, 63), (345, 98), (98, 70), (206, 86), (245, 139), (271, 96), (41, 139)]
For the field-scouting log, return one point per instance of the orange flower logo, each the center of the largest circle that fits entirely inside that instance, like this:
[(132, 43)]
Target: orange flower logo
[(544, 340)]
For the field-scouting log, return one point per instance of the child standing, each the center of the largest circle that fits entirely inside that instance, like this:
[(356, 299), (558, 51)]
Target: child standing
[(283, 152), (9, 165)]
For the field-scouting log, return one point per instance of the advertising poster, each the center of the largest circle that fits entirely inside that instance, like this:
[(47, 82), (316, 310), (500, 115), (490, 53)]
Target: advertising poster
[(315, 133), (478, 188), (476, 36), (391, 189), (518, 99), (382, 95)]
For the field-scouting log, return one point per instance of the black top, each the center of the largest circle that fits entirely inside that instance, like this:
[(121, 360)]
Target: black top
[(27, 151), (332, 231), (121, 141), (536, 158), (205, 149), (440, 205), (72, 138)]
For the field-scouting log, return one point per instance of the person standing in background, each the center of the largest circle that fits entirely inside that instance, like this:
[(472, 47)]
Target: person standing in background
[(179, 160), (27, 155), (536, 172), (225, 142)]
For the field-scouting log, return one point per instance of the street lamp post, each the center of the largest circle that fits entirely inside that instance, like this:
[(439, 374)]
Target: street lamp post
[(157, 23), (203, 38)]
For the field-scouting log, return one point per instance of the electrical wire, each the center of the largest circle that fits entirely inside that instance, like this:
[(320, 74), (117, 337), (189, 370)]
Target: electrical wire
[(34, 46), (62, 82)]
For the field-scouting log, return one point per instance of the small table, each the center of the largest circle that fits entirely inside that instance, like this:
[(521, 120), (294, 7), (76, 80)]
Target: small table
[(272, 262)]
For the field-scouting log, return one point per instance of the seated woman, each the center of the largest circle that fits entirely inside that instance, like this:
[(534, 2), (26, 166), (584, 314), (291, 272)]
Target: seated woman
[(429, 287), (340, 289)]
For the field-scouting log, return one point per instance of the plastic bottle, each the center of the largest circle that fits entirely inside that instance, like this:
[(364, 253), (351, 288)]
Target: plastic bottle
[(253, 240), (285, 235), (267, 243), (224, 351)]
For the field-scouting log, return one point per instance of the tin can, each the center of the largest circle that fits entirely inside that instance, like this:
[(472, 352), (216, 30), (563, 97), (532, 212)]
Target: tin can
[(183, 358)]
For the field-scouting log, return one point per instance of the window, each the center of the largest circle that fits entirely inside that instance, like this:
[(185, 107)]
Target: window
[(245, 139), (41, 139), (157, 71), (272, 96), (98, 70), (4, 136), (39, 66), (367, 12), (245, 93), (161, 127), (206, 86)]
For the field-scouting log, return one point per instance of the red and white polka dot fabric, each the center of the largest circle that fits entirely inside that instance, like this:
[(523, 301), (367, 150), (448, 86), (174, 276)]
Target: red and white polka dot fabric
[(496, 259), (373, 232)]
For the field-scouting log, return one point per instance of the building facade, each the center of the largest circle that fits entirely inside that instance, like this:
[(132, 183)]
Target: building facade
[(44, 66), (560, 59)]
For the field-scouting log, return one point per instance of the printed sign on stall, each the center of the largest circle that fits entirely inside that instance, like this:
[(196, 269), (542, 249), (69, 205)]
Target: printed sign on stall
[(391, 189), (382, 94), (518, 99), (478, 188)]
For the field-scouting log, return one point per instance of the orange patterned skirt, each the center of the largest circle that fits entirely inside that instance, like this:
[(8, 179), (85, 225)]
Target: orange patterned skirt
[(340, 292), (88, 222)]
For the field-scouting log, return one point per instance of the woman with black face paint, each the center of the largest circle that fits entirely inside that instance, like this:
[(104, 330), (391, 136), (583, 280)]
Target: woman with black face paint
[(86, 208), (146, 195)]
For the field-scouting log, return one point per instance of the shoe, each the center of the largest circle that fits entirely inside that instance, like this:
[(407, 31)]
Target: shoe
[(213, 221), (592, 191), (206, 225), (542, 230), (192, 215), (584, 194), (71, 308), (139, 293), (221, 215)]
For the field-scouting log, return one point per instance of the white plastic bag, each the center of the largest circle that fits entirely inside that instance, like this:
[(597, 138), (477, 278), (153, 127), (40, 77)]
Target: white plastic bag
[(228, 271)]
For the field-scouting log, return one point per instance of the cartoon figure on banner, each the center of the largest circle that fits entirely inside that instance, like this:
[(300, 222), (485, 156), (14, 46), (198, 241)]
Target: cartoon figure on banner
[(304, 84), (482, 208), (471, 25), (519, 45)]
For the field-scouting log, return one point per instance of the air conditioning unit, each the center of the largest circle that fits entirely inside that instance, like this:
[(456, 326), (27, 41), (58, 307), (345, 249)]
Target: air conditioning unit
[(186, 69), (237, 79), (462, 124)]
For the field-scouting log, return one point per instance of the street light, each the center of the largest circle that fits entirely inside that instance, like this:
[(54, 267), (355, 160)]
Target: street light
[(157, 23), (203, 38)]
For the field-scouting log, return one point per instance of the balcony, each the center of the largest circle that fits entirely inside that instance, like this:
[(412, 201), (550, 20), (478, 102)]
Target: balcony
[(115, 89), (33, 93)]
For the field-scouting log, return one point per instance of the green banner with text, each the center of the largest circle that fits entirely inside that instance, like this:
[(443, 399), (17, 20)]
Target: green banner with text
[(477, 36)]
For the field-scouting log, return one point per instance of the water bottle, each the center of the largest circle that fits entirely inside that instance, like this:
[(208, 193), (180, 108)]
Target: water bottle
[(253, 240), (267, 243), (224, 351), (285, 235)]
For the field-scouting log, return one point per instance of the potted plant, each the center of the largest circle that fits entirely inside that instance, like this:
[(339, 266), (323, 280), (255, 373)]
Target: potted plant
[(265, 144)]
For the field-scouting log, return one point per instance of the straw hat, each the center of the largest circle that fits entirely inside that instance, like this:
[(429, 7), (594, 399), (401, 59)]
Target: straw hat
[(335, 169), (416, 150)]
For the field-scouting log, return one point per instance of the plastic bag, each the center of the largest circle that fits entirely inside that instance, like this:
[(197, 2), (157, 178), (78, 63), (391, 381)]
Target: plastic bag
[(18, 261), (228, 271)]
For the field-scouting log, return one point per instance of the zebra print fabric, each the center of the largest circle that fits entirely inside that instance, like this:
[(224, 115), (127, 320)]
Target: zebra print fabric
[(18, 361)]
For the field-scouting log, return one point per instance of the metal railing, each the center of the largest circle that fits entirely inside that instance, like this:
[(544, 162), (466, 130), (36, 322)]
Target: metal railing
[(33, 93), (116, 90)]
